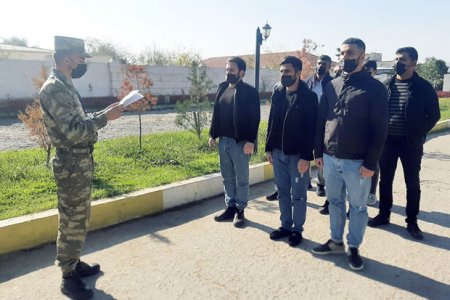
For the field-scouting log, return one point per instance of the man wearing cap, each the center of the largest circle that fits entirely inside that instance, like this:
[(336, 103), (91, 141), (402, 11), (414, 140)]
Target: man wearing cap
[(73, 134)]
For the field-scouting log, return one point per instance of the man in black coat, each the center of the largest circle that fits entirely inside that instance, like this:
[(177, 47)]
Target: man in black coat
[(289, 147), (413, 112), (235, 122)]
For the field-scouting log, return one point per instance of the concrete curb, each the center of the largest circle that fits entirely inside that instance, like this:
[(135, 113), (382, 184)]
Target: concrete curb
[(33, 230)]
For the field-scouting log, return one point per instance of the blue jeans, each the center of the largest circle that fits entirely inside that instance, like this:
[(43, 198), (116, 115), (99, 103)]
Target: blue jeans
[(342, 174), (235, 172), (292, 189)]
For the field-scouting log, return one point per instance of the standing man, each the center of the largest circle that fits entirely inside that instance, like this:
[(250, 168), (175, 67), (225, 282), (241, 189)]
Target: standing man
[(73, 134), (413, 112), (235, 122), (317, 83), (371, 67), (351, 130), (289, 147)]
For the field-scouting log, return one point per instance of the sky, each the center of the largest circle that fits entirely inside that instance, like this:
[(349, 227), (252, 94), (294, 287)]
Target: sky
[(225, 28)]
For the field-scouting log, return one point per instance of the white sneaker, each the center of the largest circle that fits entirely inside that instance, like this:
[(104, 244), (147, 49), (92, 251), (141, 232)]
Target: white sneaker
[(372, 200)]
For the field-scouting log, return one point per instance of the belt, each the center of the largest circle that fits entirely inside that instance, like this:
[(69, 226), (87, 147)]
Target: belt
[(78, 150)]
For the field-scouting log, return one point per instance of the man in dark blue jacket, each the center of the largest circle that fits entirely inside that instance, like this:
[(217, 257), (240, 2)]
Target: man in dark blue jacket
[(289, 147), (413, 112), (235, 122), (351, 131)]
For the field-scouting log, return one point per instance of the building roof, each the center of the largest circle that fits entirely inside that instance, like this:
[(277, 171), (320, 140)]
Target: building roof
[(267, 60)]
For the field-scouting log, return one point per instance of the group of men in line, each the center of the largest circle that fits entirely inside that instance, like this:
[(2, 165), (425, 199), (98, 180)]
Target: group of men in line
[(353, 126), (342, 123)]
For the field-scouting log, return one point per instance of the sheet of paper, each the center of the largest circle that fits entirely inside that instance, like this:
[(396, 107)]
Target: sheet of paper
[(132, 97)]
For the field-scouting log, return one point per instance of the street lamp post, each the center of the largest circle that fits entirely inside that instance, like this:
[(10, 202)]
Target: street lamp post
[(259, 39)]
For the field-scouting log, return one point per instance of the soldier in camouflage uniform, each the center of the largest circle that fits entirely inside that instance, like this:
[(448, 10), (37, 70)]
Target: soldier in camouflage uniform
[(73, 133)]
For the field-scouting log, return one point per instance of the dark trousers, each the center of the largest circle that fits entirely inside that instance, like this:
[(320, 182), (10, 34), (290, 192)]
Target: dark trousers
[(411, 158), (374, 183)]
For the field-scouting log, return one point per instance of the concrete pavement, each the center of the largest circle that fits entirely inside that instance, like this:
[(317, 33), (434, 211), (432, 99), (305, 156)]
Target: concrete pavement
[(184, 254)]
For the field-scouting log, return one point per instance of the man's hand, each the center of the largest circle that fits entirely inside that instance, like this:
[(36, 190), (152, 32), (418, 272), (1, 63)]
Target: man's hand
[(269, 157), (211, 142), (113, 111), (319, 163), (249, 148), (303, 166), (365, 172)]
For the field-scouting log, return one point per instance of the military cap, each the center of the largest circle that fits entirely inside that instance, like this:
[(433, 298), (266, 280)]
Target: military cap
[(65, 43)]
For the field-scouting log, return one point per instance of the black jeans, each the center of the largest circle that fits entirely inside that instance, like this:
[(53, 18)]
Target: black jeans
[(411, 158)]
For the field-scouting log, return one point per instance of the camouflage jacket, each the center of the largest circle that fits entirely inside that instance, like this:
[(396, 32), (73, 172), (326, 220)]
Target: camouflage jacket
[(65, 120)]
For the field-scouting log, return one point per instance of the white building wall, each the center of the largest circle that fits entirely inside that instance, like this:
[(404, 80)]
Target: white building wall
[(446, 87)]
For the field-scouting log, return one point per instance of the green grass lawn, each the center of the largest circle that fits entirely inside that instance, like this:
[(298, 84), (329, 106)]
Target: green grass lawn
[(27, 186), (444, 104)]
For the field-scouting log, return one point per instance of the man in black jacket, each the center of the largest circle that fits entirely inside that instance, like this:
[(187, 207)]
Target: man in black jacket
[(351, 131), (413, 112), (289, 147), (317, 83), (235, 122)]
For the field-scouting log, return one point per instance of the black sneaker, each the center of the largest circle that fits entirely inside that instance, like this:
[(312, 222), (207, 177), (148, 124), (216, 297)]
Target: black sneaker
[(310, 187), (320, 191), (279, 234), (239, 218), (348, 214), (324, 210), (295, 238), (273, 196), (379, 220), (73, 287), (354, 259), (329, 247), (226, 215), (415, 231), (84, 270)]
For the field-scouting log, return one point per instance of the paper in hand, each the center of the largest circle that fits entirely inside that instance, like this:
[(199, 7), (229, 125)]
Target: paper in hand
[(132, 97)]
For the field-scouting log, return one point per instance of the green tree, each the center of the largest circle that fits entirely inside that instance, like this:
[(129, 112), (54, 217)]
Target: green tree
[(15, 41), (97, 46), (194, 114), (433, 70)]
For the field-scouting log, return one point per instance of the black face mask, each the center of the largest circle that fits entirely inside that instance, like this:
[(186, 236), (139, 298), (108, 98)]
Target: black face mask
[(79, 70), (287, 80), (350, 65), (321, 71), (400, 68), (232, 78)]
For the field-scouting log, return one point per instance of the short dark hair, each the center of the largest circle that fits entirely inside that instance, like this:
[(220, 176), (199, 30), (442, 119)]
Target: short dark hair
[(411, 51), (371, 64), (325, 58), (355, 41), (242, 66), (294, 61)]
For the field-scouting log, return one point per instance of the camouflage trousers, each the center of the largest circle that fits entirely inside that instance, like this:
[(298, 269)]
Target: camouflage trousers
[(73, 175)]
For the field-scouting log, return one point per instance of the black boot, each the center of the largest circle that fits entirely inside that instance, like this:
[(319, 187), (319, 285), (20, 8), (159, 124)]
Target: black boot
[(73, 287), (320, 191), (84, 270), (273, 196), (226, 215), (239, 218), (324, 210), (415, 231)]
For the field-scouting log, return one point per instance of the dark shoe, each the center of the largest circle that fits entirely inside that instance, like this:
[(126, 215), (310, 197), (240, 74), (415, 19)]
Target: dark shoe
[(73, 287), (310, 187), (415, 231), (273, 196), (348, 214), (329, 247), (84, 270), (295, 238), (379, 220), (239, 218), (226, 215), (320, 191), (354, 259), (324, 210), (279, 234)]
